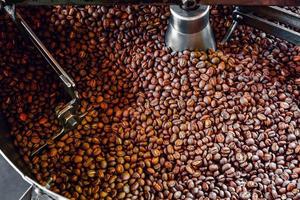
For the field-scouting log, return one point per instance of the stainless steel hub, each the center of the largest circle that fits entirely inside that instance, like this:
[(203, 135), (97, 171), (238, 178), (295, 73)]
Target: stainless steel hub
[(189, 29)]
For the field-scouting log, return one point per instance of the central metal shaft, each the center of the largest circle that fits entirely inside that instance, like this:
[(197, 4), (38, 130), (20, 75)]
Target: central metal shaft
[(189, 29)]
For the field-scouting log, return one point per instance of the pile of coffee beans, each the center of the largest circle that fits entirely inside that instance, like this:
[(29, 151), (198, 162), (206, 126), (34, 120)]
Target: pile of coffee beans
[(188, 125)]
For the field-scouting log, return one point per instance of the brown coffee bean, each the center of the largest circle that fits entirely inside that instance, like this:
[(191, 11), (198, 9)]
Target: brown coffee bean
[(35, 140), (220, 138), (213, 168), (261, 117), (150, 170), (23, 117), (91, 173), (243, 101), (225, 115), (103, 164), (78, 159), (177, 195), (53, 152), (284, 105), (157, 186), (78, 189), (207, 100), (119, 169), (103, 194), (125, 176), (189, 169)]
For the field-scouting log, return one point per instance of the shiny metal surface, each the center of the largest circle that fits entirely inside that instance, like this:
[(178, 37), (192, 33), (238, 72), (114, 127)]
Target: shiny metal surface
[(11, 181), (14, 185), (189, 29), (189, 21)]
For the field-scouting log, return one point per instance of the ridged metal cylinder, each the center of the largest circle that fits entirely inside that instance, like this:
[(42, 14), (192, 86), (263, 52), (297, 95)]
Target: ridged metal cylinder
[(189, 29)]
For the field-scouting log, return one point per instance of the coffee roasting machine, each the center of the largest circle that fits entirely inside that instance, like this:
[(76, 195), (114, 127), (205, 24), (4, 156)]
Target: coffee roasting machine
[(188, 28)]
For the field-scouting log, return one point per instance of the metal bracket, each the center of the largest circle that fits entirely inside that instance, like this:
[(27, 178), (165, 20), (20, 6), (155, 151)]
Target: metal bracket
[(258, 17), (70, 121)]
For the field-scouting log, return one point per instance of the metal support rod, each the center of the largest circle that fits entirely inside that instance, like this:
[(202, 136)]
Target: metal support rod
[(230, 31), (45, 146)]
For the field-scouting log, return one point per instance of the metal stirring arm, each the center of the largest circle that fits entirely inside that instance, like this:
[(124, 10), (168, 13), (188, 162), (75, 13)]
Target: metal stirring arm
[(26, 30), (67, 114), (258, 17)]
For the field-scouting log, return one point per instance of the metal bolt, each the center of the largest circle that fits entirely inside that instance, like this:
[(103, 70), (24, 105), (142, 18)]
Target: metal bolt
[(189, 4)]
